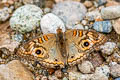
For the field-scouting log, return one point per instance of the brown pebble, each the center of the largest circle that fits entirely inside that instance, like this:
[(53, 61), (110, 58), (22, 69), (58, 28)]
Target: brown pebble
[(51, 71), (88, 4)]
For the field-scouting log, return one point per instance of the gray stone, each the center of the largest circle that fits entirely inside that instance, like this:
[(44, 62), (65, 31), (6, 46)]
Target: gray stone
[(4, 15), (93, 15), (86, 67), (115, 70), (103, 26), (70, 12), (101, 73), (108, 48), (116, 25), (26, 18), (111, 12), (50, 23)]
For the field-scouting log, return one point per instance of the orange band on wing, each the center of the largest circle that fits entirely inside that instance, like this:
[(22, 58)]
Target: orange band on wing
[(74, 33), (45, 38), (80, 33), (40, 40)]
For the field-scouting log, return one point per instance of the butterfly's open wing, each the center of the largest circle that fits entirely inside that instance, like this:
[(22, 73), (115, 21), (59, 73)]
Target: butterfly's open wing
[(80, 43), (43, 49)]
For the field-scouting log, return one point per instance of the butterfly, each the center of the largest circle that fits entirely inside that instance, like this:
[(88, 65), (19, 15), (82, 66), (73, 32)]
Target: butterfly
[(63, 48)]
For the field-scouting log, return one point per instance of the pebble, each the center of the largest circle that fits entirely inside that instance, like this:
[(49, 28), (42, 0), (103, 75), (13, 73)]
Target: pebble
[(84, 22), (17, 37), (50, 23), (108, 48), (27, 1), (88, 4), (86, 67), (91, 16), (101, 2), (53, 78), (65, 78), (117, 78), (110, 12), (78, 76), (58, 74), (101, 73), (26, 18), (4, 15), (116, 25), (15, 70), (44, 78), (96, 59), (103, 26), (115, 70), (78, 26), (112, 3), (71, 12)]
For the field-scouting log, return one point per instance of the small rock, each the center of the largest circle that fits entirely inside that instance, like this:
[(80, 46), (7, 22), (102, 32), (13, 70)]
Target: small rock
[(117, 78), (27, 1), (4, 15), (70, 12), (112, 3), (58, 74), (93, 15), (44, 78), (101, 2), (111, 12), (88, 4), (96, 59), (50, 23), (115, 70), (17, 37), (26, 18), (108, 48), (15, 70), (47, 10), (53, 78), (101, 73), (116, 26), (65, 78), (86, 67), (103, 26), (84, 22), (78, 26), (78, 76)]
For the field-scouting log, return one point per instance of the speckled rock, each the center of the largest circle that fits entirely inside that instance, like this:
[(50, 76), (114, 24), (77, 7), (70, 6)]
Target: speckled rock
[(65, 78), (86, 67), (116, 25), (93, 15), (103, 26), (108, 48), (4, 15), (15, 70), (115, 70), (110, 12), (50, 23), (70, 12), (26, 18), (17, 37), (101, 73)]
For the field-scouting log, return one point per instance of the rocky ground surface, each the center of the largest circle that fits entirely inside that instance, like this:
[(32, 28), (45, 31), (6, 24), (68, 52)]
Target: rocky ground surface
[(22, 20)]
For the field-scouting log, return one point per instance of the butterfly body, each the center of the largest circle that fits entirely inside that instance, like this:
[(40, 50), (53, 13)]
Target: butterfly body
[(61, 49)]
